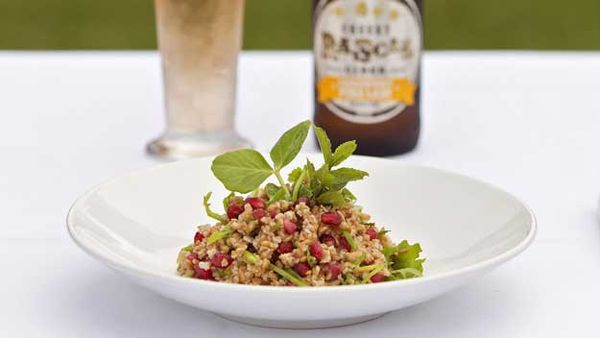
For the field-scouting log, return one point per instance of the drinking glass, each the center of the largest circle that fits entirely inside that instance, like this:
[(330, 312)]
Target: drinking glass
[(199, 42)]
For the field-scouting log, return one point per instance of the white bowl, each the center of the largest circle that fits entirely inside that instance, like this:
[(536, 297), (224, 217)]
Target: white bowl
[(137, 223)]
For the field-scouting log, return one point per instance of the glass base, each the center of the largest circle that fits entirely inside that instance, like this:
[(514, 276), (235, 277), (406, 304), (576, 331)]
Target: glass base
[(174, 146)]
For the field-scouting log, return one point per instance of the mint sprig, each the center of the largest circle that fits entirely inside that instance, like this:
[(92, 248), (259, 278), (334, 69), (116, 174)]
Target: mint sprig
[(333, 182), (245, 170)]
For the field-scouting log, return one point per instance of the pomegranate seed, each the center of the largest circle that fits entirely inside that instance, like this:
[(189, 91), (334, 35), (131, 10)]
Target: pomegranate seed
[(302, 199), (259, 213), (316, 250), (302, 269), (333, 269), (234, 210), (328, 240), (273, 213), (331, 218), (191, 256), (377, 278), (198, 237), (221, 260), (344, 243), (289, 226), (371, 232), (285, 247), (203, 273), (255, 202)]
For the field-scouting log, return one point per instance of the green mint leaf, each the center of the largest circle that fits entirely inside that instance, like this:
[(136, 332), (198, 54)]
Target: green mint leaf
[(342, 152), (306, 191), (293, 176), (271, 189), (209, 212), (348, 196), (344, 175), (310, 259), (325, 177), (241, 170), (325, 144), (289, 144), (334, 198), (313, 181)]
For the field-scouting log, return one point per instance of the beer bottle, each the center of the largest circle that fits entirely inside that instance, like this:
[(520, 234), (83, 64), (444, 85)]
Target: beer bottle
[(367, 56)]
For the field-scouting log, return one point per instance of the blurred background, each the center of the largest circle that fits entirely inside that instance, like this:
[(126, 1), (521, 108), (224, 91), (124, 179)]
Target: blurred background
[(285, 24)]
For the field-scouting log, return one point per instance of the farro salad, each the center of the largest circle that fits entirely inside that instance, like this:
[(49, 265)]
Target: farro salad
[(303, 231)]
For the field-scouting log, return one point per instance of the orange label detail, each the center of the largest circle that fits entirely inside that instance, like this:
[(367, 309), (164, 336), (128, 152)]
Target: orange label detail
[(366, 89)]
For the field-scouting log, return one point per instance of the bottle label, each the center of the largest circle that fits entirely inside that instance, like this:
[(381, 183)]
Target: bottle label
[(367, 55)]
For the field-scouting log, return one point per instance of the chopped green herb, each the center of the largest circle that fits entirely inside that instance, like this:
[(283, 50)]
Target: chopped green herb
[(249, 257), (367, 268), (293, 176), (343, 176), (211, 213), (360, 259), (376, 269), (348, 196), (342, 152), (271, 189), (219, 272), (310, 259), (219, 235), (298, 184), (334, 198), (325, 145), (279, 195), (227, 200), (289, 275), (350, 240)]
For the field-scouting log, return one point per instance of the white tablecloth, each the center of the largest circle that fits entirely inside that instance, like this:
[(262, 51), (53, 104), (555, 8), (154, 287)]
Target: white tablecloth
[(527, 122)]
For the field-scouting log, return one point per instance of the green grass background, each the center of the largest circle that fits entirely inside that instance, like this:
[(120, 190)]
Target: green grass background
[(285, 24)]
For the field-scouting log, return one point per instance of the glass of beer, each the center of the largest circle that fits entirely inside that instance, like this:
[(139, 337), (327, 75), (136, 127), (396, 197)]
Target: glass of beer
[(199, 42)]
